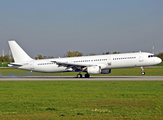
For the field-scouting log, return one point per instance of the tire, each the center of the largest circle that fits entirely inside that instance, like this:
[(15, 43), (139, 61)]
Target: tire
[(79, 75), (143, 73), (87, 75)]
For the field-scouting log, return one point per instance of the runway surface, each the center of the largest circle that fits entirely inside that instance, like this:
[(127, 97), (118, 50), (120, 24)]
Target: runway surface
[(73, 78)]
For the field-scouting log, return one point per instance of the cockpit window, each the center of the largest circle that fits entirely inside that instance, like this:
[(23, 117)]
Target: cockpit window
[(149, 56)]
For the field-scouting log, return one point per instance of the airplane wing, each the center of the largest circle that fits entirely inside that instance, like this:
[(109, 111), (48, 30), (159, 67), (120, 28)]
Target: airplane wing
[(74, 66)]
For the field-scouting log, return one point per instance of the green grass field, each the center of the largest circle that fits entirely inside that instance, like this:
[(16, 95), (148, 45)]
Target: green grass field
[(69, 100)]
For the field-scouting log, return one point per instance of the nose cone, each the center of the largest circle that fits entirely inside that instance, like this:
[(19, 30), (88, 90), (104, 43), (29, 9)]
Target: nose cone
[(158, 60)]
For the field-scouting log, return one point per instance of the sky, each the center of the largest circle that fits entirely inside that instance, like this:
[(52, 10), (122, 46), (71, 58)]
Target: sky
[(54, 27)]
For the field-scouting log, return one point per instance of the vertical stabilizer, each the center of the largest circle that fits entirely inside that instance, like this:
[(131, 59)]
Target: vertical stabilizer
[(18, 53)]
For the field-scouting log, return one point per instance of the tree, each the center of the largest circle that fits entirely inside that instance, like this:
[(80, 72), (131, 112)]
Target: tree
[(116, 52), (2, 59), (39, 57), (6, 58), (106, 53), (160, 55), (73, 54)]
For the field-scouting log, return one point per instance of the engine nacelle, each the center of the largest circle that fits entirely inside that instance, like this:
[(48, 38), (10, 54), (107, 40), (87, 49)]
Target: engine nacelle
[(94, 70), (105, 71)]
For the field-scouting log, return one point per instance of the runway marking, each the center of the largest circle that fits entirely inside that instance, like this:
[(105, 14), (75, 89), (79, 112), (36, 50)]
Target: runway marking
[(73, 78)]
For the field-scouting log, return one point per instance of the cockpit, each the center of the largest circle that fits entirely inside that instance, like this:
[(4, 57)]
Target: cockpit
[(150, 56)]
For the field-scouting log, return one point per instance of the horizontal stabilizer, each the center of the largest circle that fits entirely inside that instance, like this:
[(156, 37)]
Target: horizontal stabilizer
[(15, 64)]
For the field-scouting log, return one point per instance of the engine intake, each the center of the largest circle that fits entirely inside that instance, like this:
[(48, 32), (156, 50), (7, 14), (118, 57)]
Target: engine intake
[(94, 70)]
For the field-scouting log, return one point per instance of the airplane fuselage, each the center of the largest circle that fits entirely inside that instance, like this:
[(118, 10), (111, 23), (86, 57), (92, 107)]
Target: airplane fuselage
[(89, 64), (111, 61)]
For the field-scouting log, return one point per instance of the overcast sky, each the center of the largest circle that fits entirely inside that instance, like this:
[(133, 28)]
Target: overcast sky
[(53, 27)]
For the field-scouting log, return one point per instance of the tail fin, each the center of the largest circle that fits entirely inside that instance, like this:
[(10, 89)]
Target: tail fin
[(18, 53)]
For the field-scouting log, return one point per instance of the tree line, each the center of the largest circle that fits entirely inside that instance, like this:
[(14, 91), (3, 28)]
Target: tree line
[(9, 58), (43, 57), (6, 58)]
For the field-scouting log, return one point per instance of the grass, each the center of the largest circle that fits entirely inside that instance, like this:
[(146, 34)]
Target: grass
[(126, 71), (69, 100), (4, 64)]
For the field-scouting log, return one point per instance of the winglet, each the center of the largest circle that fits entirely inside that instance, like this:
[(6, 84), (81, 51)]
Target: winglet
[(18, 53)]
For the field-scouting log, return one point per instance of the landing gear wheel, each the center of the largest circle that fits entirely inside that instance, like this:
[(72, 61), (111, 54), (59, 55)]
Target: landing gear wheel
[(87, 75), (143, 73), (79, 75)]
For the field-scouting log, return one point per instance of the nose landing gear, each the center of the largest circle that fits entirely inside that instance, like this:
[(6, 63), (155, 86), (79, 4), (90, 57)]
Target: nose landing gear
[(143, 73)]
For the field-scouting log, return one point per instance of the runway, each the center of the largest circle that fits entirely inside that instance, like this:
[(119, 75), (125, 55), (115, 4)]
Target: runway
[(73, 78)]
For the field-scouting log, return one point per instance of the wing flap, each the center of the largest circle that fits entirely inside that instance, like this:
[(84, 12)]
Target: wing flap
[(65, 64), (74, 66)]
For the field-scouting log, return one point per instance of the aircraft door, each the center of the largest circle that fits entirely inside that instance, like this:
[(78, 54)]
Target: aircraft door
[(109, 61), (31, 66), (70, 61), (140, 57)]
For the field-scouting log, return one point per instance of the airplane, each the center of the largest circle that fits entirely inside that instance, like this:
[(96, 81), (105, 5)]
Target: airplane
[(90, 64)]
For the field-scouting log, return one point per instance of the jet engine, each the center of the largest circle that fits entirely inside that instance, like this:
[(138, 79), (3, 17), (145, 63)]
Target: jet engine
[(94, 70), (105, 71)]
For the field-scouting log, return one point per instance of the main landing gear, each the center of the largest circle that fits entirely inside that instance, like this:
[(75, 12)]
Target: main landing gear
[(80, 75), (143, 73), (87, 75)]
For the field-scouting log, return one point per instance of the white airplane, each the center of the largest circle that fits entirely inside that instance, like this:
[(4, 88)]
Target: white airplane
[(89, 64)]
